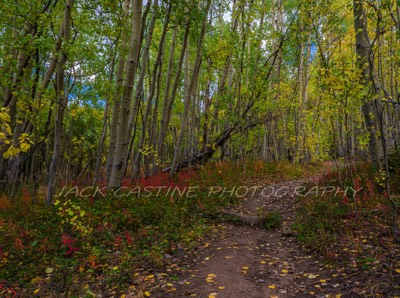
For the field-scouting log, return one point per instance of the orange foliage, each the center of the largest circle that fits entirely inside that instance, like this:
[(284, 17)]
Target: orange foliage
[(5, 203)]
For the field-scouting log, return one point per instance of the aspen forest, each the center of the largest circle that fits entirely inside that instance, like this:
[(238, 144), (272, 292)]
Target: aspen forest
[(215, 148)]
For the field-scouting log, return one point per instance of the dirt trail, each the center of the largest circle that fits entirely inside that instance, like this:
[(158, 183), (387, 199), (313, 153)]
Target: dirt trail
[(246, 261)]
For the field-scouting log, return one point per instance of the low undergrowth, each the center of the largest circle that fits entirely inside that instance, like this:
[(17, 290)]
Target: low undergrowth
[(354, 224), (92, 242)]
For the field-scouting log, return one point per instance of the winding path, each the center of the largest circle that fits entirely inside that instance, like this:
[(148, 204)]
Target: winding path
[(247, 261)]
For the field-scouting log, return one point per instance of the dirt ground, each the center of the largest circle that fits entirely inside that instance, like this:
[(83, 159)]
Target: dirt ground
[(247, 261)]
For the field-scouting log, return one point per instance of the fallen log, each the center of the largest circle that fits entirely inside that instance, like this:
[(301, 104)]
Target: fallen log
[(245, 218), (268, 220)]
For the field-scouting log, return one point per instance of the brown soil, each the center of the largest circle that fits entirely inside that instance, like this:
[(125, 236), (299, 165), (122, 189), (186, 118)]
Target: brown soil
[(248, 261)]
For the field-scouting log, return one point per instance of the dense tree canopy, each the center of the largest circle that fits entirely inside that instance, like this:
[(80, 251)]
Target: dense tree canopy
[(101, 90)]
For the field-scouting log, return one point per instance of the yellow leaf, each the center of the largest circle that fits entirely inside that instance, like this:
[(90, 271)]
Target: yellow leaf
[(245, 267), (322, 280), (312, 276), (6, 154), (397, 270), (272, 286), (8, 130), (263, 262), (86, 286), (36, 291), (147, 294), (170, 285), (49, 270), (150, 276), (123, 296), (115, 268), (221, 287), (338, 295), (24, 147), (285, 271), (35, 280)]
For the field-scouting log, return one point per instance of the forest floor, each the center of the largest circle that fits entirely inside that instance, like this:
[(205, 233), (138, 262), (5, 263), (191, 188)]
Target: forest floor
[(248, 261), (337, 245)]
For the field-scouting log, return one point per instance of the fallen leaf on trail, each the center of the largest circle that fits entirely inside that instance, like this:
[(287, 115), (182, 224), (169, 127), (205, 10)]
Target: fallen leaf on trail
[(221, 287), (245, 267), (272, 286), (49, 270), (285, 271), (211, 275), (36, 291), (212, 295), (312, 276), (115, 268), (150, 276), (338, 295), (187, 283), (206, 259), (263, 262), (311, 293), (170, 285), (147, 294), (397, 270), (322, 280)]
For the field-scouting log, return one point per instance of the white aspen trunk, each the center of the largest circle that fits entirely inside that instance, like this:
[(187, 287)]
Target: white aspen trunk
[(122, 141), (62, 99)]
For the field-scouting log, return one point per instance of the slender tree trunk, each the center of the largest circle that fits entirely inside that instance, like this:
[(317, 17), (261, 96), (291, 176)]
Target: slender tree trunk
[(193, 82), (372, 108), (117, 98), (62, 101), (106, 115), (168, 101), (140, 87), (122, 142)]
